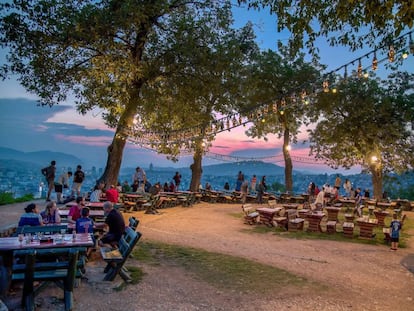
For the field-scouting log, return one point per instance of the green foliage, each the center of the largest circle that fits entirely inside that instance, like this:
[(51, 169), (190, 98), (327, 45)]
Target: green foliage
[(7, 198), (222, 271), (278, 187), (351, 23)]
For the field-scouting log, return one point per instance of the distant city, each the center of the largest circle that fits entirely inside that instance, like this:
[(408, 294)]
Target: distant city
[(20, 178)]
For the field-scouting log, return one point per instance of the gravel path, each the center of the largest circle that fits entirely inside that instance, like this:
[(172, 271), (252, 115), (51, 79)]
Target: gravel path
[(357, 277)]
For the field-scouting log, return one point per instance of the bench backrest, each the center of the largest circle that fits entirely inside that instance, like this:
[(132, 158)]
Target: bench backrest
[(133, 223), (248, 208), (51, 229), (128, 241)]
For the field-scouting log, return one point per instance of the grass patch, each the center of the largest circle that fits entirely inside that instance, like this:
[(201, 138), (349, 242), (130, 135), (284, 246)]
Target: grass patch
[(136, 275), (7, 198), (219, 270)]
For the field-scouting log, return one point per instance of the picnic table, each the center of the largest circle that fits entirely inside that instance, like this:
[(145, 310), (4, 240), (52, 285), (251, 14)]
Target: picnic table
[(92, 213), (290, 206), (383, 205), (366, 226), (314, 220), (333, 212), (380, 216), (266, 214)]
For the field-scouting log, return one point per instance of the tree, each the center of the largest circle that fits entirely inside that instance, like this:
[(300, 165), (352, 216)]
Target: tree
[(111, 55), (280, 83), (367, 122), (343, 22)]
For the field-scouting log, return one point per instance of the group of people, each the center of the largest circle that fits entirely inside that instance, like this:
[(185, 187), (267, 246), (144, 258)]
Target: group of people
[(79, 216), (245, 187), (62, 181)]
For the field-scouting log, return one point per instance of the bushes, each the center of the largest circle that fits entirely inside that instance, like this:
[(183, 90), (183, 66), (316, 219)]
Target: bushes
[(7, 198)]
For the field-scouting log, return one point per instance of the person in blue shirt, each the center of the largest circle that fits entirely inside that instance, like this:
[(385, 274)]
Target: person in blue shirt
[(84, 224), (395, 232), (31, 217)]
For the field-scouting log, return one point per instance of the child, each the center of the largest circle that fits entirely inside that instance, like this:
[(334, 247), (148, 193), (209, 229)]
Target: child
[(84, 224), (395, 232)]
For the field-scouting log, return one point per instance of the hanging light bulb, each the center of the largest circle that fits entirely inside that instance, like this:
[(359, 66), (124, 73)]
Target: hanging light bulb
[(375, 62), (359, 70), (325, 86), (391, 54), (366, 74), (404, 54)]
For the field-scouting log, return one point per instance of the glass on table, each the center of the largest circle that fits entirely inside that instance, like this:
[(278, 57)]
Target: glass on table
[(21, 237)]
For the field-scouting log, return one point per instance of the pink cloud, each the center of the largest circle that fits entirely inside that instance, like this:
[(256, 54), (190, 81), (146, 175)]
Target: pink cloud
[(100, 141)]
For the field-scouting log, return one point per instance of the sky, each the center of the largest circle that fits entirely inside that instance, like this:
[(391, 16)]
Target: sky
[(27, 127)]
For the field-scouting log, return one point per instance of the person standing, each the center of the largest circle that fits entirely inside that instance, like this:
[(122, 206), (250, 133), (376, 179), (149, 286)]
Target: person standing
[(348, 187), (337, 182), (62, 183), (177, 180), (244, 189), (140, 177), (261, 188), (78, 178), (253, 182), (395, 232), (49, 172)]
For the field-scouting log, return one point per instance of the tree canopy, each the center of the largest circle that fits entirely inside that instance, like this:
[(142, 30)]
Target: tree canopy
[(367, 122), (342, 22)]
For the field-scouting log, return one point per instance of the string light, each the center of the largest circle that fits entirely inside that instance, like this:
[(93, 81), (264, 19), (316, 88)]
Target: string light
[(391, 54), (359, 71), (375, 62)]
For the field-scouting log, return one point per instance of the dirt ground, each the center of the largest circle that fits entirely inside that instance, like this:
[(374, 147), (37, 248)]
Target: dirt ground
[(357, 276)]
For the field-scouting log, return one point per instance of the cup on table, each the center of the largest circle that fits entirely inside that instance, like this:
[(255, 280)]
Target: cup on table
[(21, 238)]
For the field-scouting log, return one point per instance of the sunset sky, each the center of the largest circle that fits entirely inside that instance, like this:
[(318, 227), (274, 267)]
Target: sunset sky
[(61, 128)]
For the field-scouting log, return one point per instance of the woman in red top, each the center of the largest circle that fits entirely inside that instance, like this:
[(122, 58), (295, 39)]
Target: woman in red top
[(75, 211)]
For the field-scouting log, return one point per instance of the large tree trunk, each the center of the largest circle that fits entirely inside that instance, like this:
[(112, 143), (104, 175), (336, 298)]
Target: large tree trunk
[(114, 160), (377, 177), (288, 161), (196, 169), (116, 148)]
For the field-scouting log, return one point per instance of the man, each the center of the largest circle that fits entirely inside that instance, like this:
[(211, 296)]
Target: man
[(62, 182), (140, 177), (115, 223), (177, 180), (320, 199), (49, 172), (78, 178)]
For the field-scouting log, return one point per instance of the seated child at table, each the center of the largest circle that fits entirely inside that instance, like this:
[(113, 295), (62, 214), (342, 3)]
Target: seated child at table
[(84, 224)]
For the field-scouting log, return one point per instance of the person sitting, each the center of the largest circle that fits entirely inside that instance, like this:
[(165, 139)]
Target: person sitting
[(115, 223), (96, 194), (51, 215), (75, 211), (84, 224), (358, 202), (126, 187), (31, 217), (112, 194)]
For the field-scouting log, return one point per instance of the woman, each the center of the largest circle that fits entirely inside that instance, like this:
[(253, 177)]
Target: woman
[(31, 217), (51, 215)]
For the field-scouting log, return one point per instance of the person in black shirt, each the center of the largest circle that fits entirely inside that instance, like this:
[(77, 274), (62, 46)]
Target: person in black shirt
[(115, 223)]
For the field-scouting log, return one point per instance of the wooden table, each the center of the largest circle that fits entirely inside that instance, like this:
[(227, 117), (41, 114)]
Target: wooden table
[(94, 205), (314, 220), (290, 206), (266, 214), (56, 240), (383, 205), (332, 213), (92, 213), (380, 215), (366, 227)]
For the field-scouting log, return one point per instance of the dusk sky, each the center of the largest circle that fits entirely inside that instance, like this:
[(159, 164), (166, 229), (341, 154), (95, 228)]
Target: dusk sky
[(26, 127)]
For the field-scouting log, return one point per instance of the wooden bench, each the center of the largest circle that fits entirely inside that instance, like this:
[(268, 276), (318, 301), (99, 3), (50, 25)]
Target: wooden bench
[(116, 257), (296, 224), (331, 226), (60, 265), (348, 229), (250, 215), (49, 229)]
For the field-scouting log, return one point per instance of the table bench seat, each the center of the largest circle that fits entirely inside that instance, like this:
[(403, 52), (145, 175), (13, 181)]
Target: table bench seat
[(348, 229), (331, 226), (296, 224)]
